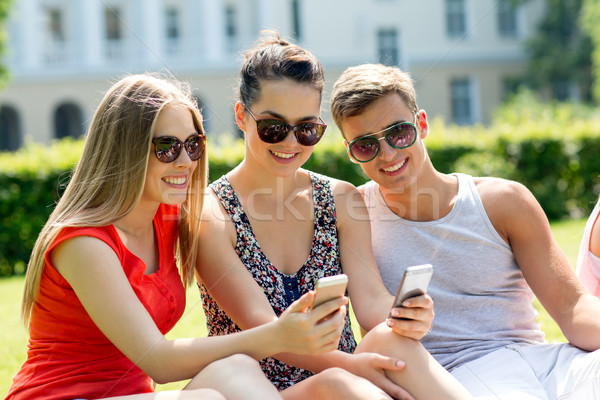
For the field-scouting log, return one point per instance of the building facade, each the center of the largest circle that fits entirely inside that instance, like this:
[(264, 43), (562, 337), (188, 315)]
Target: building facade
[(464, 55)]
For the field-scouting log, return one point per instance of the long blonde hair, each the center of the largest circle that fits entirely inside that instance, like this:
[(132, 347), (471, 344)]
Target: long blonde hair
[(108, 180)]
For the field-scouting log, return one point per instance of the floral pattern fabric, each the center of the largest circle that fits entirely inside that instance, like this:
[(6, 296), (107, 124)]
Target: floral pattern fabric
[(281, 289)]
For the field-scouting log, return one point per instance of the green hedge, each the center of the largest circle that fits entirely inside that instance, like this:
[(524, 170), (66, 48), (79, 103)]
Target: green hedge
[(556, 156)]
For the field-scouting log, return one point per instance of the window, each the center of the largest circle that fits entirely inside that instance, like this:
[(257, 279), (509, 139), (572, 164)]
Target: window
[(564, 89), (296, 23), (55, 27), (456, 23), (462, 104), (68, 121), (112, 19), (172, 32), (231, 28), (10, 129), (113, 32), (507, 19), (387, 43), (54, 36)]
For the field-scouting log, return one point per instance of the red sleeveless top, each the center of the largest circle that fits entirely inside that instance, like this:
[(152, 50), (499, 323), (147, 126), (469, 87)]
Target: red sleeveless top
[(68, 356)]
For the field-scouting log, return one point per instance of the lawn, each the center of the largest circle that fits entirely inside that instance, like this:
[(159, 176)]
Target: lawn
[(13, 336)]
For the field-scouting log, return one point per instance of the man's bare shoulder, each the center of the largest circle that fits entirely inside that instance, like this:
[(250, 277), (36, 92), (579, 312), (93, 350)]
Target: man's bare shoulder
[(499, 189), (507, 203)]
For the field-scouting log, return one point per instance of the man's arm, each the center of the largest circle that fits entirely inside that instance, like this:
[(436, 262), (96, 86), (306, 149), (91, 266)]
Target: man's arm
[(520, 220)]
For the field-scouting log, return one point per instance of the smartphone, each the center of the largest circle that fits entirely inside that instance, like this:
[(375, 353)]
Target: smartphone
[(329, 288), (414, 283)]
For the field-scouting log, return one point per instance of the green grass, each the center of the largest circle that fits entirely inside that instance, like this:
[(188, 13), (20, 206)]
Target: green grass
[(13, 336)]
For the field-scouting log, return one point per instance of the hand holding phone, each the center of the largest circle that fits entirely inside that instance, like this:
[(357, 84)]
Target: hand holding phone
[(329, 288), (414, 283)]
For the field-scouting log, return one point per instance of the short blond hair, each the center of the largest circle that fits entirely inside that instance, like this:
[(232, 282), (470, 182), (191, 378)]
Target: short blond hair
[(360, 86)]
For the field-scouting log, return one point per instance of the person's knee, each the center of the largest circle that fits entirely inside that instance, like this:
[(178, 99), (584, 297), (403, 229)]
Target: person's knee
[(339, 383), (197, 394), (383, 340), (236, 363), (334, 381)]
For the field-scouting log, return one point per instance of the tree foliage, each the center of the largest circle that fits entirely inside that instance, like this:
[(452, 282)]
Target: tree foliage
[(561, 51), (5, 8), (590, 20)]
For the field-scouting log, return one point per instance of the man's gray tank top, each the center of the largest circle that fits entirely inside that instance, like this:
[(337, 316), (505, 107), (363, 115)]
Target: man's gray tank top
[(481, 299)]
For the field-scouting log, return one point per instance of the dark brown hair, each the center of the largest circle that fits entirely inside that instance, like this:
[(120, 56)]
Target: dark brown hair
[(273, 58)]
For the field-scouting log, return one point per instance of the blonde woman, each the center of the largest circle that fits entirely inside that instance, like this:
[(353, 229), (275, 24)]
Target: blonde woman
[(103, 287)]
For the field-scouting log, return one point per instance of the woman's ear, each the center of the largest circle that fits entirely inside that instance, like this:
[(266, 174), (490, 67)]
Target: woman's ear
[(422, 124), (240, 116)]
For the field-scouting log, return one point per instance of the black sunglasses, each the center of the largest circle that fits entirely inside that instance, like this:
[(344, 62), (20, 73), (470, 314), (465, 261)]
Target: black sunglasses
[(275, 130), (400, 136), (167, 148)]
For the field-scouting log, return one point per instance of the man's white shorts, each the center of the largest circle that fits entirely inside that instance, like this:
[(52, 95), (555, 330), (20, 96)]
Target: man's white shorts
[(542, 371)]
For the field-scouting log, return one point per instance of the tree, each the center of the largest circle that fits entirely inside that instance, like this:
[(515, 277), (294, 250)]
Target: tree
[(590, 20), (560, 52), (5, 7)]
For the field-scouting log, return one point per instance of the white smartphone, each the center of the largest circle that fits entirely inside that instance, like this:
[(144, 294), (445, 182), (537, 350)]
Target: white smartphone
[(329, 288), (414, 283)]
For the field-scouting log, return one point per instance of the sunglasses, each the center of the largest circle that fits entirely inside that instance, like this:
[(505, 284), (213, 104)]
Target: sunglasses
[(400, 136), (167, 148), (275, 130)]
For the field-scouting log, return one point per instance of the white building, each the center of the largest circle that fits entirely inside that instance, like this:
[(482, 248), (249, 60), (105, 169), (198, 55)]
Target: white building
[(64, 54)]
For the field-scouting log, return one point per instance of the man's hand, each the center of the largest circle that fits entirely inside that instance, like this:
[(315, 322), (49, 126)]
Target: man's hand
[(414, 319)]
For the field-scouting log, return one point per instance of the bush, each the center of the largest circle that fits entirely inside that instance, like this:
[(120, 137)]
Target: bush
[(553, 150), (30, 183)]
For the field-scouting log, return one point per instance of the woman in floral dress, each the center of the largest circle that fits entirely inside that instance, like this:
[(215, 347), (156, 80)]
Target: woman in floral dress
[(270, 229)]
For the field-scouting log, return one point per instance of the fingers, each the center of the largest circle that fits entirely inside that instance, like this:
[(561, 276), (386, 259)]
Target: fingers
[(400, 394), (329, 307), (381, 364), (412, 329), (414, 319), (397, 392), (384, 362), (329, 330), (303, 303), (422, 301), (313, 331)]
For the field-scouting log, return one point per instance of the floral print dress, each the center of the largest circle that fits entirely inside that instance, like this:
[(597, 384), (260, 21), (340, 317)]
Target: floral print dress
[(281, 289)]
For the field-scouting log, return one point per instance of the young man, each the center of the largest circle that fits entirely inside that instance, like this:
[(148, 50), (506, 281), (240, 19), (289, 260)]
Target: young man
[(489, 242)]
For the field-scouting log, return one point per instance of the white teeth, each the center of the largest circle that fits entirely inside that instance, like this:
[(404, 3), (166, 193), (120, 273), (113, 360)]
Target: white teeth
[(395, 167), (176, 181), (283, 155)]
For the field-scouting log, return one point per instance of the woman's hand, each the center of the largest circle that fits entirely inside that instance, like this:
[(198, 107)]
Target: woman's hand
[(373, 367), (305, 331), (414, 319)]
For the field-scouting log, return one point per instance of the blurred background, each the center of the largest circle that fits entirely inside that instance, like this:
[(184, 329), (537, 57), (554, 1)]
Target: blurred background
[(466, 56), (509, 85)]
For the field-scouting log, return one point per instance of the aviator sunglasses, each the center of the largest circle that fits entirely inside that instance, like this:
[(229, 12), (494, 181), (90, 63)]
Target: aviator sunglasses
[(400, 136), (167, 148), (275, 130)]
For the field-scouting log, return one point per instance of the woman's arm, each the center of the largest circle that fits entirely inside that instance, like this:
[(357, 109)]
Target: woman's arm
[(107, 296), (222, 272)]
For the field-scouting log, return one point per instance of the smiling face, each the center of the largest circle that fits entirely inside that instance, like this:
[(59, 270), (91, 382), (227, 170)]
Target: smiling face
[(284, 100), (168, 182), (391, 168)]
